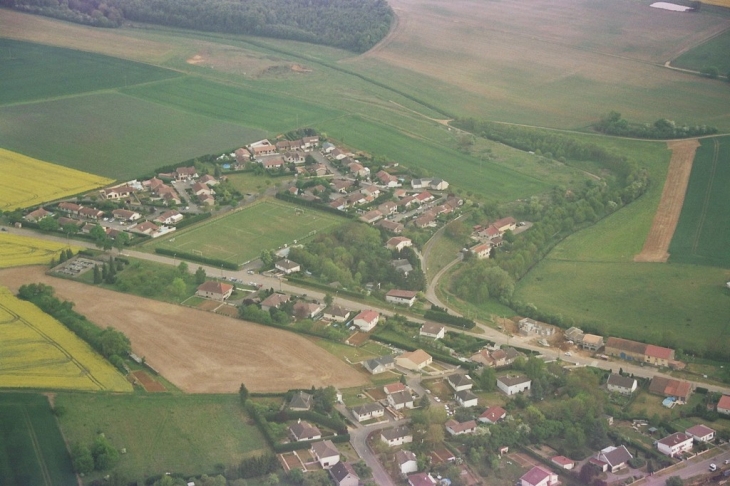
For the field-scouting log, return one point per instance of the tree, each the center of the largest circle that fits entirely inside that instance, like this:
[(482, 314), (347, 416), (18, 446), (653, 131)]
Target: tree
[(587, 473), (183, 268), (105, 455), (328, 300), (81, 458), (178, 288), (121, 241), (114, 342), (675, 481), (487, 379), (48, 224), (362, 470), (243, 393), (200, 276), (710, 72), (97, 275)]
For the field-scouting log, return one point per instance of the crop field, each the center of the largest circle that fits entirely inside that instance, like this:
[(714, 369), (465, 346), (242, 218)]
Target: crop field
[(39, 352), (186, 434), (711, 53), (84, 133), (703, 232), (32, 450), (16, 250), (34, 72), (27, 181), (242, 235)]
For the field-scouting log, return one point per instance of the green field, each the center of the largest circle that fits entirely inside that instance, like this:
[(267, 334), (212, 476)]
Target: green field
[(187, 434), (242, 235), (711, 53), (32, 451), (31, 72), (703, 231)]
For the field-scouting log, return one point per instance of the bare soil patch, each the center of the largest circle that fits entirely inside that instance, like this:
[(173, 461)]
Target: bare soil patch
[(523, 460), (201, 352), (227, 310), (358, 339), (149, 384), (208, 305), (665, 221)]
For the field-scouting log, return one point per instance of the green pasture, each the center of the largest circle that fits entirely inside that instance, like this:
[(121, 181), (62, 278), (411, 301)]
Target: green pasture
[(703, 231), (711, 53), (30, 72), (114, 135), (32, 451), (188, 434), (241, 236), (642, 301)]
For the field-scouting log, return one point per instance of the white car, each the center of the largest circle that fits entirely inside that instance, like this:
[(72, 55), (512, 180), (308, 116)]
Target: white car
[(438, 400), (713, 467), (568, 353)]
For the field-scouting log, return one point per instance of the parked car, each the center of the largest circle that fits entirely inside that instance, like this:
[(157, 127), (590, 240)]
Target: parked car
[(713, 467)]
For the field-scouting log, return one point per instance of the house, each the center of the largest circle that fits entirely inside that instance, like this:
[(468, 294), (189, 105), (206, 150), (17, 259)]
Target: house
[(427, 220), (273, 163), (391, 226), (512, 385), (147, 228), (304, 431), (207, 200), (373, 191), (214, 290), (396, 436), (563, 462), (424, 197), (310, 142), (675, 444), (420, 183), (288, 266), (274, 301), (343, 474), (398, 243), (379, 365), (658, 356), (326, 453), (396, 387), (301, 401), (460, 428), (371, 216), (169, 217), (441, 456), (574, 334), (529, 327), (366, 320), (592, 342), (723, 406), (492, 415), (421, 479), (400, 400), (37, 215), (615, 458), (466, 398), (388, 208), (633, 350), (496, 358), (701, 433), (414, 360), (388, 180), (307, 310), (63, 221), (69, 207), (294, 157), (669, 387), (186, 173), (208, 180), (202, 189), (460, 382), (505, 224), (337, 313), (539, 476), (358, 170), (402, 265), (621, 384), (258, 149), (402, 297), (407, 462), (481, 251), (328, 147), (438, 185), (126, 215), (367, 411), (432, 330), (118, 192)]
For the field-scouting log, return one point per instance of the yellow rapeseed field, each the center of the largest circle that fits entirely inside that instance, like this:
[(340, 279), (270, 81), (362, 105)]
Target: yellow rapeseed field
[(26, 181), (16, 250), (39, 352), (720, 3)]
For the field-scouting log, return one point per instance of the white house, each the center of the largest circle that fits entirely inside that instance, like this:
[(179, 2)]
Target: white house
[(621, 384), (396, 436), (337, 313), (304, 431), (460, 428), (675, 444), (169, 217), (288, 266), (379, 365), (432, 330), (723, 406), (481, 251), (539, 476), (402, 297), (466, 398), (214, 290), (368, 411), (615, 458), (344, 474), (326, 453), (398, 243), (400, 400), (701, 433), (492, 415), (512, 385), (407, 462), (366, 320), (460, 382), (563, 462)]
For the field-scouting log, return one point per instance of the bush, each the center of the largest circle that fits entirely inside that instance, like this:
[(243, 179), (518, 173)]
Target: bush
[(637, 462)]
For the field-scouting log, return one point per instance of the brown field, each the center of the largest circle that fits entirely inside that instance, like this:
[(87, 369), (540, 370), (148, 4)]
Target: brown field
[(201, 352), (670, 206), (147, 382)]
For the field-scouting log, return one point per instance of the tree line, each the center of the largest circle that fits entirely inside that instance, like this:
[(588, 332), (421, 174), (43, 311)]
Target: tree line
[(355, 25), (613, 124)]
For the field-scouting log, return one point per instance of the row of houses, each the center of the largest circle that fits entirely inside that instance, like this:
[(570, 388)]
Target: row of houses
[(490, 236)]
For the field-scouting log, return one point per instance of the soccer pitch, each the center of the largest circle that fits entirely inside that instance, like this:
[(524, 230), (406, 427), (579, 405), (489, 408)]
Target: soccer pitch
[(241, 236)]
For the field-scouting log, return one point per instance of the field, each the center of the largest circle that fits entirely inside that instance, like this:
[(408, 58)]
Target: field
[(187, 434), (32, 450), (703, 232), (16, 250), (242, 235), (197, 351), (39, 352), (711, 53), (27, 181)]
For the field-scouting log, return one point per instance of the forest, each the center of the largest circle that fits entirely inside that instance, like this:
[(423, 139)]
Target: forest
[(355, 25)]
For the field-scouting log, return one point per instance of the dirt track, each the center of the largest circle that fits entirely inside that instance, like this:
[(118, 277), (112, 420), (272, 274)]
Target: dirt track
[(198, 351), (665, 221)]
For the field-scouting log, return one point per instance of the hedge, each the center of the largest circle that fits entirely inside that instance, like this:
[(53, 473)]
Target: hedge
[(284, 196), (409, 347), (325, 287), (448, 319), (310, 416), (197, 258)]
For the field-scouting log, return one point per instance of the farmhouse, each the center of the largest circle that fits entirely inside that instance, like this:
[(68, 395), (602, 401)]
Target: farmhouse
[(632, 350), (274, 301), (459, 382), (621, 384), (414, 360), (304, 431), (288, 266), (379, 365), (214, 290), (701, 433), (301, 401), (398, 243), (432, 330), (671, 388), (675, 444), (505, 224), (492, 415), (539, 476), (407, 462), (344, 474), (337, 313), (169, 217), (368, 411), (366, 320), (403, 297), (512, 385), (723, 405), (614, 458), (396, 436), (658, 355), (126, 215), (326, 453), (460, 428), (466, 398)]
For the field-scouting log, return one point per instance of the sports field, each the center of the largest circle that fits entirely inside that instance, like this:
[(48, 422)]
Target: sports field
[(32, 450), (39, 352), (26, 181), (241, 236), (703, 232), (16, 250)]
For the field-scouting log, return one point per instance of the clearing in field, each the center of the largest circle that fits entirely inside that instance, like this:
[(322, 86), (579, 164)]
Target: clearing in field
[(667, 215), (16, 250), (32, 450), (241, 236), (39, 352), (26, 181), (703, 233), (197, 351)]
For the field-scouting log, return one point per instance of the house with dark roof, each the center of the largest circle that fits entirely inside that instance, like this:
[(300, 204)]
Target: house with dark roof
[(539, 476), (337, 313), (466, 398), (402, 297), (407, 462), (343, 474), (391, 226), (379, 365), (274, 301), (288, 266), (326, 453), (396, 436), (400, 400), (460, 428), (432, 330), (214, 290), (512, 385), (367, 411), (301, 401), (304, 431), (621, 384), (675, 444), (701, 433), (459, 382), (615, 458), (402, 265)]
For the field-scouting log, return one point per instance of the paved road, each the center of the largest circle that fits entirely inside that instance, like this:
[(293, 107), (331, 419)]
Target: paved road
[(696, 466), (358, 439)]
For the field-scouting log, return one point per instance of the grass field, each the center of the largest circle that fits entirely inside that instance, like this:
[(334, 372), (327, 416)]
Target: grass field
[(703, 232), (711, 53), (242, 235), (187, 434), (32, 450), (39, 352), (27, 181), (16, 250)]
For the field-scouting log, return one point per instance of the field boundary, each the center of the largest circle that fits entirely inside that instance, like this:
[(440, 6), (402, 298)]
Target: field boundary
[(667, 214)]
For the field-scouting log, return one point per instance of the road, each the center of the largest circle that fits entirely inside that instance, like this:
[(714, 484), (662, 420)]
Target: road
[(693, 467), (358, 439)]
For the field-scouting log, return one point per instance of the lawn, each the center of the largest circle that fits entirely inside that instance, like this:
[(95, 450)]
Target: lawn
[(84, 133), (242, 235), (711, 53), (352, 354), (188, 434), (32, 450), (703, 232), (250, 183)]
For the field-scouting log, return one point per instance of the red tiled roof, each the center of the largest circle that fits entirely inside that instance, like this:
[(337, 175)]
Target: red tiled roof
[(724, 402), (562, 460), (367, 315), (215, 287), (658, 352), (535, 475)]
